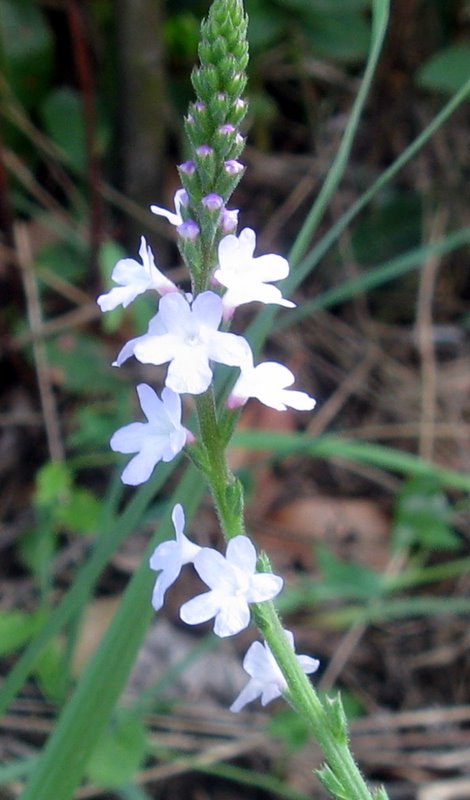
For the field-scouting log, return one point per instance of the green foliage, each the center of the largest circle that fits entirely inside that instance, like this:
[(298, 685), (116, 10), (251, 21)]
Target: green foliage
[(26, 50), (291, 728), (119, 752), (346, 579), (422, 517), (447, 70), (16, 629)]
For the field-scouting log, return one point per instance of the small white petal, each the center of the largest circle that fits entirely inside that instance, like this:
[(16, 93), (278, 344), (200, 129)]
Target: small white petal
[(200, 608), (233, 617), (241, 553), (264, 586), (169, 557)]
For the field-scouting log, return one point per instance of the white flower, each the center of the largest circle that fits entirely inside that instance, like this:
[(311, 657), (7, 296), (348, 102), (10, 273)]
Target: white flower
[(266, 679), (159, 439), (233, 583), (267, 382), (247, 278), (186, 335), (180, 199), (170, 557), (134, 279)]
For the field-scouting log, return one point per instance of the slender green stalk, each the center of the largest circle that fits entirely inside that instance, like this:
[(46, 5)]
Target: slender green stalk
[(327, 720)]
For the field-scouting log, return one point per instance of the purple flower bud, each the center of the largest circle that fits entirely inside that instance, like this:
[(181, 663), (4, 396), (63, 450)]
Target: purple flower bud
[(229, 220), (204, 150), (190, 119), (188, 167), (212, 201), (227, 128), (239, 138), (200, 106), (188, 230), (240, 103), (233, 167), (221, 96)]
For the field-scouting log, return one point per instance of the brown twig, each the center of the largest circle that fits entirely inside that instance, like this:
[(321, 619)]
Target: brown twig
[(49, 410)]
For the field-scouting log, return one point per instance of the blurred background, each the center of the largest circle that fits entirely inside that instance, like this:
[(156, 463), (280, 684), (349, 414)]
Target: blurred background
[(92, 99)]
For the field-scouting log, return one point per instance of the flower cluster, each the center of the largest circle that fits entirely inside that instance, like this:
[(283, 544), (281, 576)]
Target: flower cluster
[(233, 584), (185, 334)]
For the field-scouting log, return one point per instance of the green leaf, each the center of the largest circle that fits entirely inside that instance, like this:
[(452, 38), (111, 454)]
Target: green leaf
[(291, 728), (343, 36), (80, 513), (26, 47), (62, 115), (348, 579), (50, 673), (422, 517), (447, 70), (53, 483), (119, 753), (17, 628)]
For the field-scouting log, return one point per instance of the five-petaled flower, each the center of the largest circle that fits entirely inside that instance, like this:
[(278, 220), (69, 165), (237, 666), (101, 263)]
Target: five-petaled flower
[(159, 439), (169, 557), (185, 334), (266, 679), (134, 279), (233, 583), (267, 382), (247, 278)]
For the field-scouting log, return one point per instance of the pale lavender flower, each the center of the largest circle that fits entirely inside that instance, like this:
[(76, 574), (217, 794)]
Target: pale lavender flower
[(233, 583), (170, 557), (159, 439), (185, 334), (135, 279), (175, 218), (266, 679), (248, 278), (268, 382)]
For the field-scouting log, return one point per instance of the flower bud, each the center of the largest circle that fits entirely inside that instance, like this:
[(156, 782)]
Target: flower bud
[(212, 201), (233, 167), (189, 230)]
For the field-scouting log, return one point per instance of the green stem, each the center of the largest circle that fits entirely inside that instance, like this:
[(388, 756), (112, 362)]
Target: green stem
[(327, 721), (226, 489)]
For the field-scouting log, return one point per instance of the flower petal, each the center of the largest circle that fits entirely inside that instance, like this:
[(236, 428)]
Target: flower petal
[(233, 617), (264, 586), (241, 553), (200, 608)]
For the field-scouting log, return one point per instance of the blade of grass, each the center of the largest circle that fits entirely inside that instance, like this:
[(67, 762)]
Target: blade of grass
[(376, 276), (394, 609), (264, 321), (108, 540), (86, 714), (337, 447), (380, 14)]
